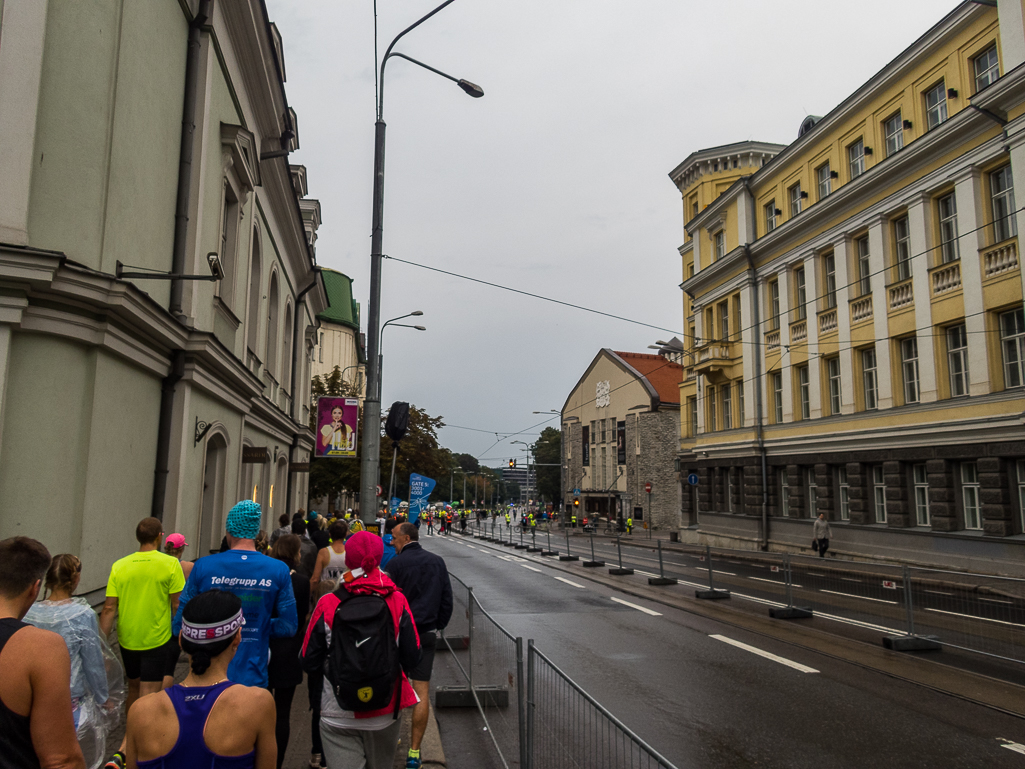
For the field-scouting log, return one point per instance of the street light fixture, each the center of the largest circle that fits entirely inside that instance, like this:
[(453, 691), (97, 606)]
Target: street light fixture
[(369, 463), (380, 362)]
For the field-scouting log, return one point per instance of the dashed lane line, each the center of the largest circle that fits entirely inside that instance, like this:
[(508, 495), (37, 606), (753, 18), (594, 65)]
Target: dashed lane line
[(862, 597), (767, 655), (569, 582), (646, 610), (1015, 746), (525, 566), (773, 581), (973, 616)]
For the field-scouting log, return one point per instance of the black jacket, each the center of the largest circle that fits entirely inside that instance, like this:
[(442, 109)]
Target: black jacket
[(423, 579)]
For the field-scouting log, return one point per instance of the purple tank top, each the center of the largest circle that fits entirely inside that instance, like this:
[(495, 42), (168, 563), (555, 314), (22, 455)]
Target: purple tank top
[(192, 705)]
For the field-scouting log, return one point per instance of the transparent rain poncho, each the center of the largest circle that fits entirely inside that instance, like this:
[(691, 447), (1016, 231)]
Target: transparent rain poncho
[(97, 679)]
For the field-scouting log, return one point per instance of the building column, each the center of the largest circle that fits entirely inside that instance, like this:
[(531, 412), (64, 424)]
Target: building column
[(22, 38), (811, 282), (11, 309), (920, 242), (843, 325), (877, 249), (783, 367), (1016, 142), (859, 493), (995, 496), (899, 505), (825, 498), (968, 194), (942, 495), (749, 344)]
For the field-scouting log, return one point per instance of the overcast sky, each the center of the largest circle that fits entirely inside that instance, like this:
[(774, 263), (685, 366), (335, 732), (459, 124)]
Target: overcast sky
[(556, 182)]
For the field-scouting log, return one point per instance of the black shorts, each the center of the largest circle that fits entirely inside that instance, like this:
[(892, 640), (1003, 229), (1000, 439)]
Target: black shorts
[(146, 665), (174, 651), (422, 672)]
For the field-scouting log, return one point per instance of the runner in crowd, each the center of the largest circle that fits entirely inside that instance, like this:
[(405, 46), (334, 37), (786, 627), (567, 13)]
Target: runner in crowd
[(389, 548), (36, 725), (284, 527), (330, 561), (206, 720), (316, 529), (307, 548), (263, 584), (174, 546)]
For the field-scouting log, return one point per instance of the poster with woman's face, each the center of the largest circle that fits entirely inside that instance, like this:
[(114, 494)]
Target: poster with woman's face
[(337, 419)]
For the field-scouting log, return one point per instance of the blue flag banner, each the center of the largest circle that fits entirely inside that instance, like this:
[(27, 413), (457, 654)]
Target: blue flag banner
[(394, 506), (420, 488)]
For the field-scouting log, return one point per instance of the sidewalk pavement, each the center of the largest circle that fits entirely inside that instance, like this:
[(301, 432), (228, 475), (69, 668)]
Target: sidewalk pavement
[(432, 753)]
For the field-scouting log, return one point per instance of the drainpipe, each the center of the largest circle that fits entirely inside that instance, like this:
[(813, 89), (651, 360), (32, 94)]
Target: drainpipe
[(297, 324), (181, 208), (164, 432)]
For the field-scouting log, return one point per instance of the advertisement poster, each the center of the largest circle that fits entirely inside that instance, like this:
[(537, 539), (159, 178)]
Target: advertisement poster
[(585, 452), (337, 421), (420, 488), (621, 443)]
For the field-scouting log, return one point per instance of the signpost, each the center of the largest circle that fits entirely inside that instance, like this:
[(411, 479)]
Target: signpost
[(647, 524), (693, 479)]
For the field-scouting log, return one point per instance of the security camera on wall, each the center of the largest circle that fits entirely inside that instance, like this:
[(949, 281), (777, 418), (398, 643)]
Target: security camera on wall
[(215, 265)]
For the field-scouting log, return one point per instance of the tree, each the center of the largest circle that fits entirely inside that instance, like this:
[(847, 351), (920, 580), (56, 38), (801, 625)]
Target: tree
[(547, 450), (467, 462)]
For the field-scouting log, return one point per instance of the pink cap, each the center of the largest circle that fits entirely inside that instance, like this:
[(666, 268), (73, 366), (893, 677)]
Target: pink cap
[(176, 541)]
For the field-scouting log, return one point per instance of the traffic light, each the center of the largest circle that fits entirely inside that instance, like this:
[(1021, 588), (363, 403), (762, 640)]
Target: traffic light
[(576, 503), (512, 463)]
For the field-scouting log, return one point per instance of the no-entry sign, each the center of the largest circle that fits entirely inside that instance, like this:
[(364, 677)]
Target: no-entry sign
[(647, 488)]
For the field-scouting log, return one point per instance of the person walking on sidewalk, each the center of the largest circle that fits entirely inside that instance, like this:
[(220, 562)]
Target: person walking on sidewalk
[(821, 533), (261, 582), (423, 578), (36, 725), (206, 720), (363, 639)]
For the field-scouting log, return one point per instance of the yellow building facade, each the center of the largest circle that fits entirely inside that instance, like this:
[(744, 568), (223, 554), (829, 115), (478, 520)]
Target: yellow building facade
[(853, 311)]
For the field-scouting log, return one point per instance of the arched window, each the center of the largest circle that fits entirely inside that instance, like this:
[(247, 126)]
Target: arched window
[(286, 348), (211, 522), (253, 316), (229, 244), (272, 327)]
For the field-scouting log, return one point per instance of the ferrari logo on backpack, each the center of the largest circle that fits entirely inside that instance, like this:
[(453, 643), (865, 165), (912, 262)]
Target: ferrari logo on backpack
[(365, 694)]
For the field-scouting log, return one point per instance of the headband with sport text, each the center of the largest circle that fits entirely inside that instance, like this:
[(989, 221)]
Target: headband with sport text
[(214, 631)]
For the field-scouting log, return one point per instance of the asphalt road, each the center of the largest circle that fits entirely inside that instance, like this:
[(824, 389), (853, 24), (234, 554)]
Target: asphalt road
[(706, 694)]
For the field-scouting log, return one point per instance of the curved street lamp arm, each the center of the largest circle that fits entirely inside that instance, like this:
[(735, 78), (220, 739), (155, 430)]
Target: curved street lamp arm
[(426, 66), (387, 53)]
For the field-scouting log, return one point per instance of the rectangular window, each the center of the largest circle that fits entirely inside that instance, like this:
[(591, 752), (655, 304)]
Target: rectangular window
[(829, 274), (770, 216), (1021, 496), (1002, 191), (1012, 346), (724, 321), (720, 245), (813, 492), (935, 105), (948, 228), (879, 494), (795, 200), (604, 431), (777, 397), (845, 493), (693, 410), (320, 347), (774, 304), (864, 269), (902, 248), (594, 431), (893, 131), (833, 371), (957, 360), (740, 403), (970, 495), (856, 159), (871, 382), (824, 180), (804, 391), (909, 367), (784, 488), (710, 397), (728, 483), (987, 68), (921, 479), (801, 294), (727, 407)]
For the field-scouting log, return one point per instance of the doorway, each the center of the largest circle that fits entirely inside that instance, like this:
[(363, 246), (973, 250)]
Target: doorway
[(210, 522)]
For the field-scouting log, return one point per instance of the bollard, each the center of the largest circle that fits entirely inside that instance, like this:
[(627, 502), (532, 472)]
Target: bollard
[(789, 611), (911, 642), (568, 556), (549, 551), (521, 546), (661, 579), (592, 563), (620, 572), (533, 542), (711, 593)]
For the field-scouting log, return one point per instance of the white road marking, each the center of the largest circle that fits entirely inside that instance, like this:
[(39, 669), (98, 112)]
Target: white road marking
[(574, 584), (635, 606), (938, 592), (767, 655), (850, 579), (1016, 747), (530, 567), (645, 573), (716, 571), (471, 547), (994, 600), (972, 616), (863, 598), (773, 581)]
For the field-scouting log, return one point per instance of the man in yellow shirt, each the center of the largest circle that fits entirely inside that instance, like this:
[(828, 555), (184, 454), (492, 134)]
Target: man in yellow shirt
[(143, 592)]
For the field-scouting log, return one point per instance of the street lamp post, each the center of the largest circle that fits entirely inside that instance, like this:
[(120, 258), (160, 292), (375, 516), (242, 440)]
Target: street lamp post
[(369, 463)]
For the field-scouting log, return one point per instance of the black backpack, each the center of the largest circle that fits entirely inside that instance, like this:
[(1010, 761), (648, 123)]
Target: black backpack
[(363, 658)]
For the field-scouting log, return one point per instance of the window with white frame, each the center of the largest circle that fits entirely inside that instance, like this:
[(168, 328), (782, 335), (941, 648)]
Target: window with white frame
[(824, 180), (770, 216), (225, 288), (970, 495), (957, 360), (829, 277), (740, 403), (720, 245), (774, 304), (777, 397), (804, 391), (845, 493), (784, 488), (727, 407), (935, 105), (594, 432), (833, 372), (948, 228), (724, 321), (800, 294), (856, 159), (869, 378), (795, 200), (812, 488), (893, 131), (693, 410), (902, 248), (921, 479), (987, 68), (1012, 347), (710, 400), (879, 493), (1001, 189), (909, 368), (864, 268)]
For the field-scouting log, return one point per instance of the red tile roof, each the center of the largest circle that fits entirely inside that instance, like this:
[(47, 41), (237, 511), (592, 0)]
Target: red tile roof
[(663, 375)]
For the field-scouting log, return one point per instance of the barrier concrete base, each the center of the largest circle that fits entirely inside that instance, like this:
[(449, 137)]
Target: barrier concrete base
[(462, 697), (662, 581), (789, 612), (545, 553), (457, 642), (912, 643), (534, 549), (569, 557), (712, 594), (592, 564), (620, 572)]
